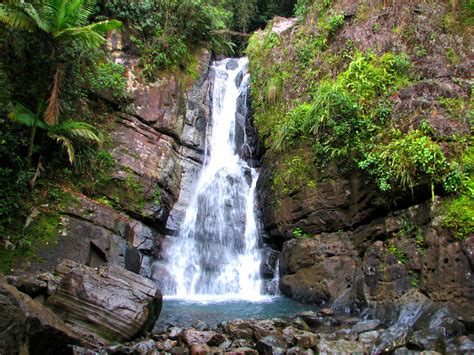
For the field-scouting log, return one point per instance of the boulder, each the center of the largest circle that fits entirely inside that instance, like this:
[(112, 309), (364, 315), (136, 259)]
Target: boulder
[(300, 338), (240, 329), (191, 336), (394, 337), (26, 326), (111, 302), (340, 346), (271, 344), (366, 325)]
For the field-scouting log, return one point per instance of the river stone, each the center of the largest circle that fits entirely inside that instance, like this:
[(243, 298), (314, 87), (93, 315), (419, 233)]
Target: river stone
[(427, 340), (300, 338), (199, 349), (368, 338), (339, 347), (166, 345), (202, 337), (311, 318), (242, 351), (263, 328), (240, 329), (296, 350), (440, 319), (394, 337), (174, 332), (299, 323), (271, 344), (111, 302), (366, 325)]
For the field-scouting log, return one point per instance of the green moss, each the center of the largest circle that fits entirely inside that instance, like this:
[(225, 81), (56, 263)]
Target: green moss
[(41, 233), (460, 216)]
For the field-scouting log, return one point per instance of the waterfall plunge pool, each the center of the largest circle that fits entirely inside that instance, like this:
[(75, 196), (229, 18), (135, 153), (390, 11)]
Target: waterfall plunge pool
[(212, 311)]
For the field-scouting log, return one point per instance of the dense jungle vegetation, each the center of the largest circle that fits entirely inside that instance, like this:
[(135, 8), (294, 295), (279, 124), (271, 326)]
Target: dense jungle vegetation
[(316, 101), (58, 84)]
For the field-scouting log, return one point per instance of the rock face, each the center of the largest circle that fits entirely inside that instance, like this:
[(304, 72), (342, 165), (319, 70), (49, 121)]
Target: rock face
[(157, 145), (321, 269), (111, 302), (340, 269), (344, 241)]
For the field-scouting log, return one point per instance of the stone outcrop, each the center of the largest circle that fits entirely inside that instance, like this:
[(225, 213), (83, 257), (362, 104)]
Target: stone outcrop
[(26, 326), (395, 243), (110, 302), (348, 271), (93, 234)]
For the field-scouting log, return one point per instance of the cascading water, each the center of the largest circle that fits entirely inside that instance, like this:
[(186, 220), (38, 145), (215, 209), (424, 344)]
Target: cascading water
[(216, 249)]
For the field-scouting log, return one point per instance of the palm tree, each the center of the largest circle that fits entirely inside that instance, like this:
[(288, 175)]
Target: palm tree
[(66, 133), (64, 21)]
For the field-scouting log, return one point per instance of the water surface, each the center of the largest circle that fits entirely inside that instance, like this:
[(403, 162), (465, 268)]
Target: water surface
[(212, 312)]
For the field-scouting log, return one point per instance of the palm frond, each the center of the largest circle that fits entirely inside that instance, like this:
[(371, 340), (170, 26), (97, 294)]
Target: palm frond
[(91, 35), (66, 143), (82, 130), (16, 17), (52, 111), (22, 115), (42, 22)]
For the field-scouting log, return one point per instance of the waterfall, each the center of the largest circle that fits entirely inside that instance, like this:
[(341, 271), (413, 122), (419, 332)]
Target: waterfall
[(215, 252)]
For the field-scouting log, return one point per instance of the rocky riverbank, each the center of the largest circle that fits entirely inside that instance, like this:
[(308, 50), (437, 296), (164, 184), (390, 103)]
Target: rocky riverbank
[(433, 331)]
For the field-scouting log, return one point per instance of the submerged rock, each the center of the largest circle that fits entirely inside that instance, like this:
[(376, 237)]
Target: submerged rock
[(111, 302)]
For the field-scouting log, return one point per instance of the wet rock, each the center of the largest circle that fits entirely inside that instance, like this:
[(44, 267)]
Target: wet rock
[(166, 345), (263, 328), (311, 318), (200, 325), (300, 338), (269, 259), (199, 349), (143, 347), (240, 329), (299, 323), (226, 344), (366, 325), (242, 343), (111, 302), (441, 320), (461, 344), (299, 351), (271, 345), (427, 340), (202, 337), (232, 65), (174, 332), (242, 351), (339, 347), (394, 337), (367, 339), (325, 312), (324, 268)]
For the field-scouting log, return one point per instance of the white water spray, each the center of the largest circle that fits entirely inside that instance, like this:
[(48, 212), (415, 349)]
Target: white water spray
[(215, 255)]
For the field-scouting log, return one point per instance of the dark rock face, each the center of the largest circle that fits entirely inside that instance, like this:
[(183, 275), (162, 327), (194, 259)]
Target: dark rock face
[(321, 269), (94, 234), (350, 271), (111, 302)]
